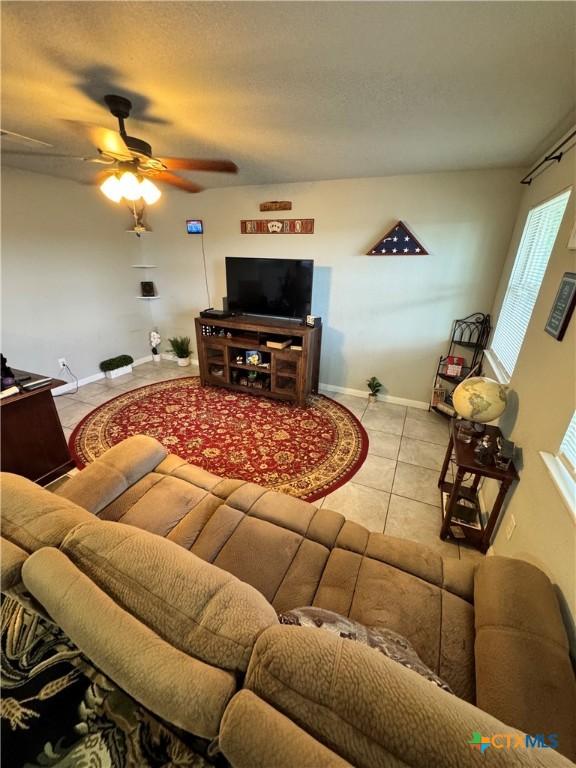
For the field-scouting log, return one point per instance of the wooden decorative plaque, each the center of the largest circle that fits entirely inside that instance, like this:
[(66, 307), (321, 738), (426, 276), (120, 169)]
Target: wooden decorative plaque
[(276, 205), (277, 227)]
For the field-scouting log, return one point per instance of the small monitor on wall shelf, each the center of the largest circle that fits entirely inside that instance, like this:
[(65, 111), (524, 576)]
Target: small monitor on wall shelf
[(194, 226), (270, 287)]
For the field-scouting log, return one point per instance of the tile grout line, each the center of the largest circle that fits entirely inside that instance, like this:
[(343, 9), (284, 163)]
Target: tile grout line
[(416, 439), (394, 476)]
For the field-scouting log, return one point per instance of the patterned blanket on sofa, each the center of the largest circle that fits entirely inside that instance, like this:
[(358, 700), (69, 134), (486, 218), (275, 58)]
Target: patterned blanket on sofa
[(57, 710)]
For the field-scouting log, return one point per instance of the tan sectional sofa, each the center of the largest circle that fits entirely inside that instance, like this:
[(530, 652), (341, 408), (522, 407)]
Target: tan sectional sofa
[(169, 579)]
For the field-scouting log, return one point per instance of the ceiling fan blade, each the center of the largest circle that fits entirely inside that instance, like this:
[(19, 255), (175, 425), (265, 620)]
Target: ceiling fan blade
[(177, 181), (106, 141), (97, 180), (19, 138), (192, 164), (100, 160)]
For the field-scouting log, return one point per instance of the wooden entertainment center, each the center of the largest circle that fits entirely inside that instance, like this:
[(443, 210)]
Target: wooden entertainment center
[(288, 370)]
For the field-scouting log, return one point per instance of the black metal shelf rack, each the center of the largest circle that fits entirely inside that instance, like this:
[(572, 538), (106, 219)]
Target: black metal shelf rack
[(471, 333)]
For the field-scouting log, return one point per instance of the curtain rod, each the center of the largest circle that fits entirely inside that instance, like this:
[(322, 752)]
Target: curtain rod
[(556, 154)]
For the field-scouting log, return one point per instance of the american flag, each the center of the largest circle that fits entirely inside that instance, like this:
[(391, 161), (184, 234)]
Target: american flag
[(399, 241)]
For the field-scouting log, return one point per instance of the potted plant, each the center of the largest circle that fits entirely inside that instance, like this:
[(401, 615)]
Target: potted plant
[(181, 348), (374, 386), (117, 366), (155, 340)]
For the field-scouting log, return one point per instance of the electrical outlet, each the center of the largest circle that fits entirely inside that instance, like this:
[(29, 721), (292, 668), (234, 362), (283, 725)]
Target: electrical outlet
[(510, 526), (62, 362)]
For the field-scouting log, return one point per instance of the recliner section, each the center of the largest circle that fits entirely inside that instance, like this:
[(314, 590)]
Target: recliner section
[(188, 569)]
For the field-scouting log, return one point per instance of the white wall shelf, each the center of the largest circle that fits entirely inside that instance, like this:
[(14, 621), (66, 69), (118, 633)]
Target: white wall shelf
[(144, 266), (147, 298)]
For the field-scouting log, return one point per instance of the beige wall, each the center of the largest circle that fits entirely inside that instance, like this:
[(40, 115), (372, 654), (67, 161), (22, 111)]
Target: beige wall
[(543, 400), (69, 290), (67, 286), (383, 316)]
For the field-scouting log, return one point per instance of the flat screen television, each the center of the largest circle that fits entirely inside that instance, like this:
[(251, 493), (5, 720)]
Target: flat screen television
[(269, 287)]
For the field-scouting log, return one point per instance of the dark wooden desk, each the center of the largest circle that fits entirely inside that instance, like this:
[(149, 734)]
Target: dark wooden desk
[(461, 516), (33, 442)]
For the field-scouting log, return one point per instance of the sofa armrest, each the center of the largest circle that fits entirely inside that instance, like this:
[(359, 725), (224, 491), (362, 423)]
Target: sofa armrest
[(169, 682), (12, 558), (106, 478), (524, 672), (255, 735), (32, 517), (371, 710)]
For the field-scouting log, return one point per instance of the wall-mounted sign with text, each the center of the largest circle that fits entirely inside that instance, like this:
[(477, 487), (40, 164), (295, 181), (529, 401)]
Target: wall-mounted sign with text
[(276, 205), (277, 227)]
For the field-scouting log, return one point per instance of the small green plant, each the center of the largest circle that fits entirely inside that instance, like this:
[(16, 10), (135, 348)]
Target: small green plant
[(373, 385), (116, 362), (180, 346)]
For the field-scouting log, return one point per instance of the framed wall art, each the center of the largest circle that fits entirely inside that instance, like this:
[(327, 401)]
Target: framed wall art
[(563, 307), (399, 241)]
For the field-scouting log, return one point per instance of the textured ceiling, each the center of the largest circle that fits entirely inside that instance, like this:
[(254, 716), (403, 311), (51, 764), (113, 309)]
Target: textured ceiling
[(294, 91)]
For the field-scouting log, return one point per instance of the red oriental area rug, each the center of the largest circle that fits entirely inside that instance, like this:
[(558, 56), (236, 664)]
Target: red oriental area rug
[(305, 452)]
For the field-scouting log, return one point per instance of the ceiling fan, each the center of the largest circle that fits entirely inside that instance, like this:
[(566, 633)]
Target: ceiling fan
[(131, 164)]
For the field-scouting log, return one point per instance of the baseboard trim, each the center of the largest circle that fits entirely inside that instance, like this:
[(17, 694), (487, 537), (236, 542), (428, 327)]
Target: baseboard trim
[(381, 398), (173, 359), (141, 360), (71, 386), (484, 511)]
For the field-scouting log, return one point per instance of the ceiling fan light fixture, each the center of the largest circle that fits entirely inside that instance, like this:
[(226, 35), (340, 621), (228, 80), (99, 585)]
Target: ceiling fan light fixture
[(130, 186), (112, 188), (149, 191)]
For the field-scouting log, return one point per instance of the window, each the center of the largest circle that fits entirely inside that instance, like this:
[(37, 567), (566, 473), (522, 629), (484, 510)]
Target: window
[(562, 467), (567, 454), (535, 248)]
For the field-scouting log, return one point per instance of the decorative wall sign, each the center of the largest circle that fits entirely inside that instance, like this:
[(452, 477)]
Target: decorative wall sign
[(399, 241), (276, 205), (563, 307), (277, 227)]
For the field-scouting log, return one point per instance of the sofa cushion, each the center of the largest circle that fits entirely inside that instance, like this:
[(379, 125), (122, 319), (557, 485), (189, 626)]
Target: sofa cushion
[(369, 709), (283, 565), (524, 675), (178, 688), (200, 609), (383, 640), (438, 624)]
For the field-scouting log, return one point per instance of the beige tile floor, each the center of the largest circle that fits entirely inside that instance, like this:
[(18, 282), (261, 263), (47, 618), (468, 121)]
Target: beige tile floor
[(395, 490)]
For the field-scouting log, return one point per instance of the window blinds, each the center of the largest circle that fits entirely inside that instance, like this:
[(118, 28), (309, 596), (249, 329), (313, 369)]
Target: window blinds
[(568, 446), (535, 248)]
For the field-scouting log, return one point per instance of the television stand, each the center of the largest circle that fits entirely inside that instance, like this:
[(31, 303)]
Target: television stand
[(287, 370)]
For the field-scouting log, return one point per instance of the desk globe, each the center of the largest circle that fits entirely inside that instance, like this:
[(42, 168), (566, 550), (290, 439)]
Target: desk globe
[(480, 399)]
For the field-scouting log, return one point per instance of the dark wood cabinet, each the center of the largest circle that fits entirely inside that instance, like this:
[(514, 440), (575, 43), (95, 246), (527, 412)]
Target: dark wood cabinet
[(462, 517), (33, 442), (288, 370)]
